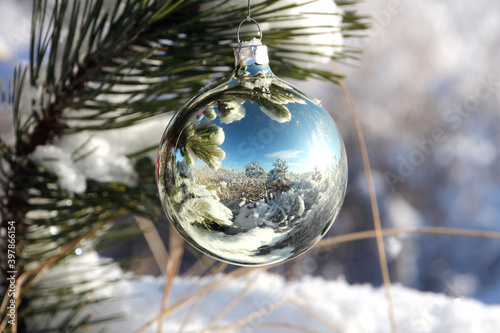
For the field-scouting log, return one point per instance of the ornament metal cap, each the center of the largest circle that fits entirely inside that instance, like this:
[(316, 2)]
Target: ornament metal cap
[(252, 52)]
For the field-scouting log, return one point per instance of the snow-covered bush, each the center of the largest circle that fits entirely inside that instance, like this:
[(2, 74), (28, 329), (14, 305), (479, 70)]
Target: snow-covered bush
[(254, 170)]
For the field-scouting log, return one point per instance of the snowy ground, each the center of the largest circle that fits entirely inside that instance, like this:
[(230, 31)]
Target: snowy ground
[(275, 305), (312, 303)]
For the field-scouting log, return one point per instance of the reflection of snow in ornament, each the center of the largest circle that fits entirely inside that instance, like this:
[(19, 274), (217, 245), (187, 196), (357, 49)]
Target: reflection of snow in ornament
[(231, 110), (242, 199)]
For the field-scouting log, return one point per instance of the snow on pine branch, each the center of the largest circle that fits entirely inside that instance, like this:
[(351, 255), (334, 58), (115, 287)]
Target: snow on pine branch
[(76, 158), (99, 155)]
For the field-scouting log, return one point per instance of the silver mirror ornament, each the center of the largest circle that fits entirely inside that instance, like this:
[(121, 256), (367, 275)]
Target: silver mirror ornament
[(252, 171)]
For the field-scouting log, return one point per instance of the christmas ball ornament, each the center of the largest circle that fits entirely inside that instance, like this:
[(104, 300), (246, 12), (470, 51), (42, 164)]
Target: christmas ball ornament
[(252, 171)]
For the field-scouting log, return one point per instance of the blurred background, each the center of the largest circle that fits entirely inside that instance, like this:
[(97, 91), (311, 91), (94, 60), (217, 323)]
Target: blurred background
[(427, 91)]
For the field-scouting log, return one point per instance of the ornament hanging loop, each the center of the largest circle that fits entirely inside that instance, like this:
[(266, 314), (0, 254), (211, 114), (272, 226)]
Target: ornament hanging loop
[(248, 19)]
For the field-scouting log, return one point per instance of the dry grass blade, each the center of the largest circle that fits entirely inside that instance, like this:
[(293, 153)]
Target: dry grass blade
[(256, 314), (445, 231), (219, 269), (374, 206), (201, 297), (284, 325), (290, 327), (181, 303), (324, 243), (235, 300), (201, 267), (173, 264), (316, 315), (154, 242), (3, 324)]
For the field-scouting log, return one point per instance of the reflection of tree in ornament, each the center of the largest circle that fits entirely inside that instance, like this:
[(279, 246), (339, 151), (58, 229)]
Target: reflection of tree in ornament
[(279, 171), (197, 204), (268, 91), (202, 141), (254, 170)]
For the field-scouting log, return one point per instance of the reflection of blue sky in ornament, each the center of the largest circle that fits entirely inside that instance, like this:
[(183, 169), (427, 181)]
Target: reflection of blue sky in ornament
[(308, 140), (285, 154)]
